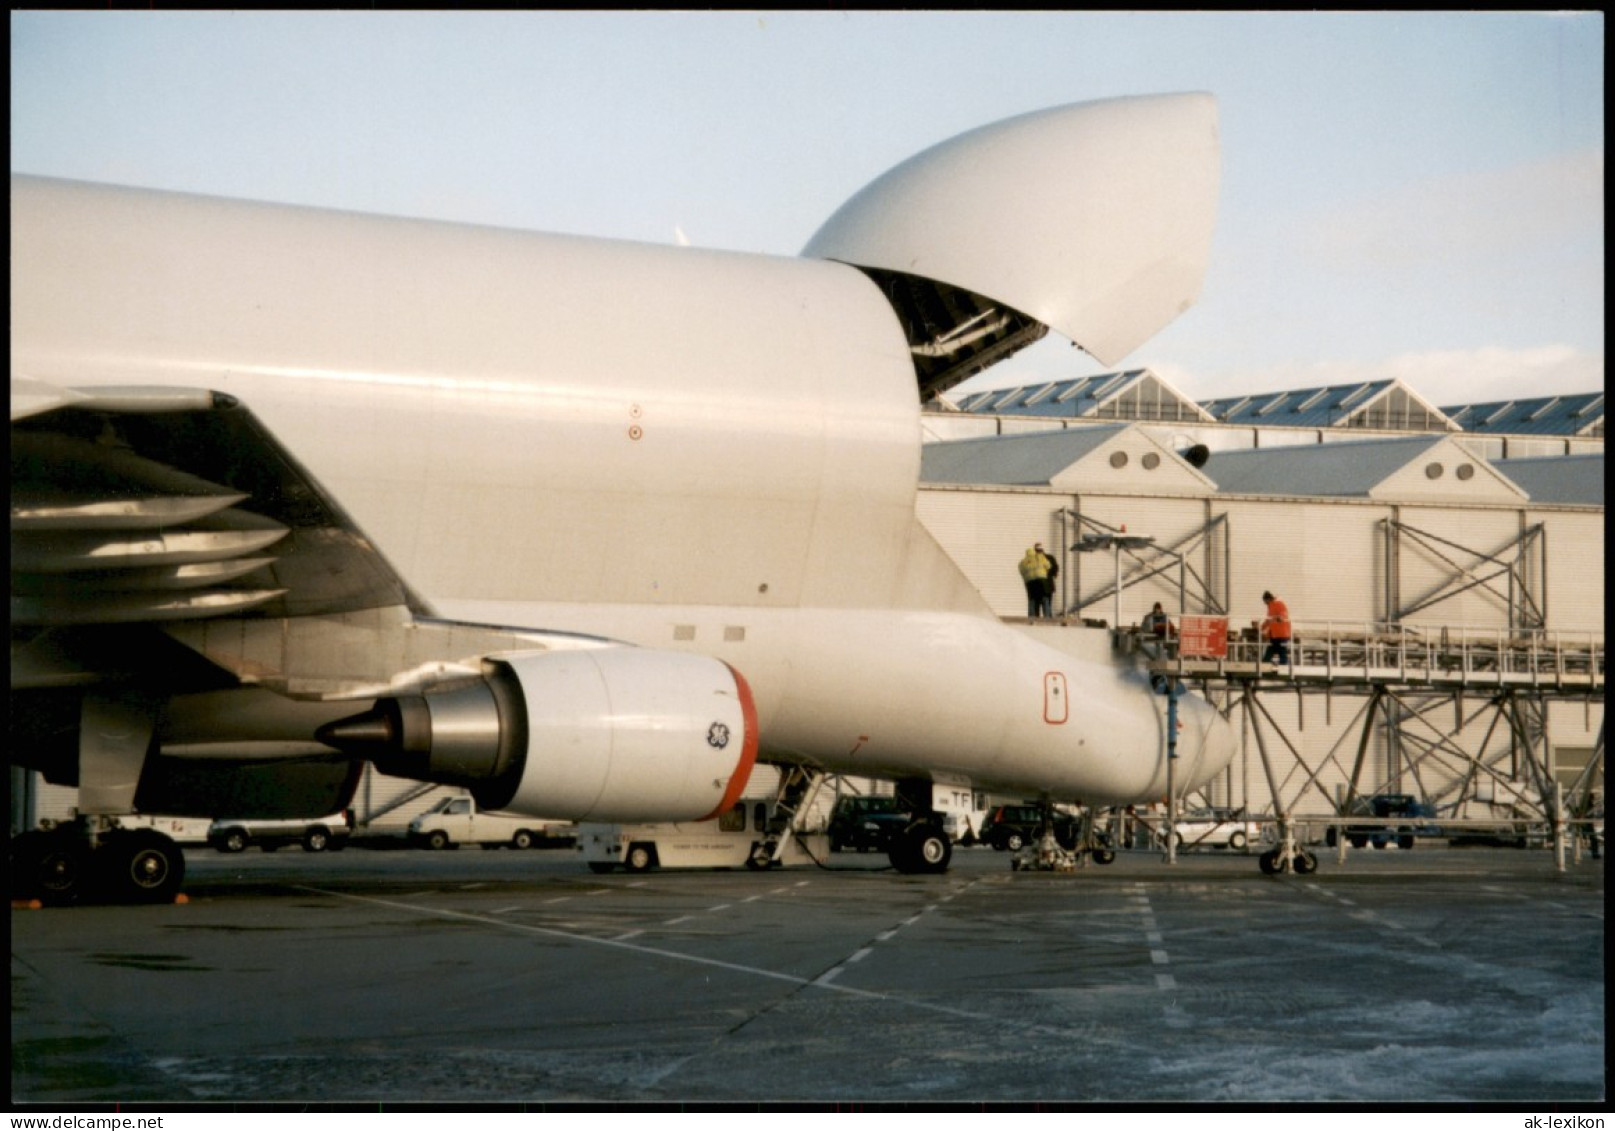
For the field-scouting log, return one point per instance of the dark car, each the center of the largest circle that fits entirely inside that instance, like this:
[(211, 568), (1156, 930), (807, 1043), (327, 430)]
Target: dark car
[(1009, 827), (1389, 805), (867, 823)]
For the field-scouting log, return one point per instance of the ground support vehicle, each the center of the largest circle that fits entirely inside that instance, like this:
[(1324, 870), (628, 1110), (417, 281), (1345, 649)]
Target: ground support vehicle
[(867, 824), (458, 820), (315, 834), (732, 840)]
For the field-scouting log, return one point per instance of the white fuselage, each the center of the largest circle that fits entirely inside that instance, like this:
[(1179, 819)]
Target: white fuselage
[(686, 450)]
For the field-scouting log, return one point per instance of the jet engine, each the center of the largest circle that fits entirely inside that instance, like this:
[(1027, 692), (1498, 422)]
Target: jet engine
[(616, 733)]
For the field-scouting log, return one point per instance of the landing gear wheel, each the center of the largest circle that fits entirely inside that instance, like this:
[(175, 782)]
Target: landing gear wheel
[(61, 870), (52, 867), (1104, 856), (1269, 862), (1304, 863), (142, 867), (922, 848), (638, 858)]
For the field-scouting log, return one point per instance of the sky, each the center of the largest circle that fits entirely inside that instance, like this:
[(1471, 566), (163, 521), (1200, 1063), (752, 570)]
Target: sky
[(1413, 195)]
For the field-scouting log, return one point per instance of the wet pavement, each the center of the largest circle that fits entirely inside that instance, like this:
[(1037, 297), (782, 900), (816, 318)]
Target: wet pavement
[(1440, 975)]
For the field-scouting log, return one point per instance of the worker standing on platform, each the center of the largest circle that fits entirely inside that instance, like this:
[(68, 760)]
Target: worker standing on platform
[(1276, 631), (1034, 570), (1158, 624)]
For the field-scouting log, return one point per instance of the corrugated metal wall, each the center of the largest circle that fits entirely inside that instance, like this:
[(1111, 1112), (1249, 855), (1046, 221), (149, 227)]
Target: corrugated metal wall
[(1328, 559), (987, 532), (1575, 581)]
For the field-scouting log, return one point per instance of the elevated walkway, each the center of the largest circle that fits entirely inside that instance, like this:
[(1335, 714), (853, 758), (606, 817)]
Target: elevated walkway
[(1450, 659)]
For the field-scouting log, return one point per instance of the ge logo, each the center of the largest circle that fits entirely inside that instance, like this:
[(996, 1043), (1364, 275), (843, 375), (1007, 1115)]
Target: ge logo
[(718, 736)]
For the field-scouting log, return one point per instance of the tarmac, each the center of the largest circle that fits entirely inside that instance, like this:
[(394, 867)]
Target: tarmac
[(1441, 976)]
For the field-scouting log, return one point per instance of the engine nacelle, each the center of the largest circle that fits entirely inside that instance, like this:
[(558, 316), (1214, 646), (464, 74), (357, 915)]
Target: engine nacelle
[(621, 734)]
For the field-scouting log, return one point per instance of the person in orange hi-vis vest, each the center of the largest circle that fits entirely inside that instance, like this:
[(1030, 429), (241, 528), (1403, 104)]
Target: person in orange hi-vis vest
[(1276, 630)]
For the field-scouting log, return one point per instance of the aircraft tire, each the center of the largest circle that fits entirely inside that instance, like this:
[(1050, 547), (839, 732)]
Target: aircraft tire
[(141, 867), (1305, 863), (925, 849), (60, 869), (1269, 862)]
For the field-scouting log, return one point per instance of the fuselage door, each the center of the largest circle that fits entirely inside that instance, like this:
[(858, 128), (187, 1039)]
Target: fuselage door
[(1055, 710)]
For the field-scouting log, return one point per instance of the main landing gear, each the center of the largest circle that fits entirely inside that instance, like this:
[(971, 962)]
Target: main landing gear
[(83, 862), (924, 846)]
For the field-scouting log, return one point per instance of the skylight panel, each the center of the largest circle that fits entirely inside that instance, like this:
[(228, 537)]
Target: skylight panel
[(1042, 394), (1547, 406), (1272, 405), (1359, 391)]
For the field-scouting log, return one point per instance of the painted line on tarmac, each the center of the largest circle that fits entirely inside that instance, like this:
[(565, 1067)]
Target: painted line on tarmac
[(887, 935), (822, 981), (1153, 938), (1362, 915)]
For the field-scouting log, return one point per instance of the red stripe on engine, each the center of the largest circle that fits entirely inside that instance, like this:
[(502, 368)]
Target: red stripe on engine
[(748, 748)]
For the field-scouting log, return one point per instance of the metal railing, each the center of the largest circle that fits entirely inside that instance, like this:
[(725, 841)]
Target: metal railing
[(1357, 651)]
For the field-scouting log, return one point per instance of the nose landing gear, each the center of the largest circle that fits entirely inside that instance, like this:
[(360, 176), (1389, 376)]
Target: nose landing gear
[(1288, 855)]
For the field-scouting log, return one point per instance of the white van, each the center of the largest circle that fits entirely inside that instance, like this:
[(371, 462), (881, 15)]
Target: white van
[(458, 820), (726, 841)]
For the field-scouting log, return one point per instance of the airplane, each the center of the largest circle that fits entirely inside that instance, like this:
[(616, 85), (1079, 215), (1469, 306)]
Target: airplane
[(587, 527)]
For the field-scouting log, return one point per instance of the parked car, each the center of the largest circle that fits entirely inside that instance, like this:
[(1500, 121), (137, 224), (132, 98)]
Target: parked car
[(1010, 827), (1385, 805), (459, 820), (1220, 828), (868, 824), (315, 834)]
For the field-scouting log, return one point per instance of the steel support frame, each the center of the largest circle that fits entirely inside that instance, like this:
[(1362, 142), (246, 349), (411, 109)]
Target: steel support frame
[(1526, 609), (1158, 559), (1416, 746)]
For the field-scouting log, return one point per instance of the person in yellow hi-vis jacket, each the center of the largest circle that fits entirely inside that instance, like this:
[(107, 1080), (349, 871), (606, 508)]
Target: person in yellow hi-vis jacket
[(1034, 570)]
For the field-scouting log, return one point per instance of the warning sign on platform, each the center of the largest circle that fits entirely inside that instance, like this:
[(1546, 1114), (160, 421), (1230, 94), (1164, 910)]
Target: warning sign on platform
[(1203, 638)]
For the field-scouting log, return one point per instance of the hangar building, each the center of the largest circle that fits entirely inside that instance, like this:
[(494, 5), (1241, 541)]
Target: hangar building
[(1467, 561)]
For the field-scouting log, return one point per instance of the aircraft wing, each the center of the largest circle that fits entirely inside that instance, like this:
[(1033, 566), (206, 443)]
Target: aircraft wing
[(199, 628), (156, 505)]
